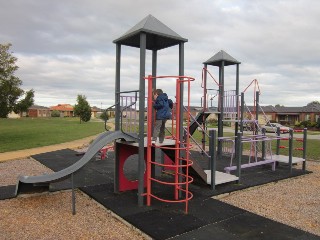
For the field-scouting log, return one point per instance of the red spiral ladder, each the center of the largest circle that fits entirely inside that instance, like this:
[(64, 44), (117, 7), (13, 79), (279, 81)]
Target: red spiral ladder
[(181, 164)]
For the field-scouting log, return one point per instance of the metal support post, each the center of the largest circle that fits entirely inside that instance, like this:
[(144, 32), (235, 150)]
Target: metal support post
[(263, 150), (278, 141), (242, 112), (304, 156), (212, 152), (141, 162), (239, 154), (73, 196), (290, 149)]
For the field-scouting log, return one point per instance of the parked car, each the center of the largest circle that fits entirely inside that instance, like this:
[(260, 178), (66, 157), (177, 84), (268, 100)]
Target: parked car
[(250, 126), (272, 127)]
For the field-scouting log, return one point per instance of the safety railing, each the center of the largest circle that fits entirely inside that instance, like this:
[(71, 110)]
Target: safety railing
[(181, 162)]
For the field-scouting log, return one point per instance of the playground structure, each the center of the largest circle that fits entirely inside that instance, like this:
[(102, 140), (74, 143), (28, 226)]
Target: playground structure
[(131, 138), (231, 107)]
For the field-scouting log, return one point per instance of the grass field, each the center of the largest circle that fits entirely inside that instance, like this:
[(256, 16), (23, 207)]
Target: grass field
[(27, 133), (24, 133)]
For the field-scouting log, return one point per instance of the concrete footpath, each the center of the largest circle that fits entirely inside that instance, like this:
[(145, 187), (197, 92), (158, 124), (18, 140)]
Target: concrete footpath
[(6, 156)]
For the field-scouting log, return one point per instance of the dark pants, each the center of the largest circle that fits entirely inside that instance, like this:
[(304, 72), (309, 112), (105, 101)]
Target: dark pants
[(158, 130)]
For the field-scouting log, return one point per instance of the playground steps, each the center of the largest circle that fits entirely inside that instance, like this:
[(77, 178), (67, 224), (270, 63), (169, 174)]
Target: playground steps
[(198, 121), (285, 159), (221, 177), (195, 168), (205, 175)]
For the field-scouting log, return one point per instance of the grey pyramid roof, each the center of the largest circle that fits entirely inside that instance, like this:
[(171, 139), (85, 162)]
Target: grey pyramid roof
[(221, 56), (159, 36)]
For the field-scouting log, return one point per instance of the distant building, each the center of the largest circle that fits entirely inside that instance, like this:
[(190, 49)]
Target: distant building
[(290, 115), (95, 112), (13, 115), (66, 110), (38, 111)]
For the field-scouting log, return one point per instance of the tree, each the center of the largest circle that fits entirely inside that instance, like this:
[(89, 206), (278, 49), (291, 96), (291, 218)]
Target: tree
[(82, 109), (313, 103), (10, 91), (278, 105), (104, 116), (24, 104)]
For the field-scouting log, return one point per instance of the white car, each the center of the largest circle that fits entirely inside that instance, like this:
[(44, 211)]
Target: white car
[(272, 127)]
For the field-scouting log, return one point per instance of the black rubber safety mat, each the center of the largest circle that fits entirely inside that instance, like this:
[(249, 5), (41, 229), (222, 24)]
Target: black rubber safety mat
[(93, 173), (7, 192), (207, 218)]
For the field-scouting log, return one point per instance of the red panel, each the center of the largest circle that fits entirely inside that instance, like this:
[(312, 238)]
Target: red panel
[(126, 151)]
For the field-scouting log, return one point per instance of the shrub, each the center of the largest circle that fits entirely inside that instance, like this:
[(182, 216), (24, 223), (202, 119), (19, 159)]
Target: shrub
[(308, 124), (55, 113), (212, 121), (104, 116), (312, 124), (297, 124)]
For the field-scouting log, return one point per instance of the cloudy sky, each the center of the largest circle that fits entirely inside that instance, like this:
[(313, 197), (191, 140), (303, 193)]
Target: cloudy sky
[(64, 48)]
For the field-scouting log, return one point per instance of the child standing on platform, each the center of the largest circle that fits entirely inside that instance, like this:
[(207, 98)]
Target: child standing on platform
[(163, 105)]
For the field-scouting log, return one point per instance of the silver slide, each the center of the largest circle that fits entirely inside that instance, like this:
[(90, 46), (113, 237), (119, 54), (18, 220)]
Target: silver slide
[(102, 140)]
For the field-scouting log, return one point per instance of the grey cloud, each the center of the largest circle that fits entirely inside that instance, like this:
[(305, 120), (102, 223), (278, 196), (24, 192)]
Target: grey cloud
[(65, 48)]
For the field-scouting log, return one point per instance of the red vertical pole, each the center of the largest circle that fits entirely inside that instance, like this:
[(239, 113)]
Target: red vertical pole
[(177, 151), (149, 132), (187, 149)]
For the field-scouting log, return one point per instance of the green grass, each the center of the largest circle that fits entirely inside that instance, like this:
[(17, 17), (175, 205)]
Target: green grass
[(24, 133), (313, 150), (309, 132)]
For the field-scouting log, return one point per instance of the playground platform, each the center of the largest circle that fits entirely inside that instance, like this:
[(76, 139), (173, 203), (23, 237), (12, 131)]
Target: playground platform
[(208, 218)]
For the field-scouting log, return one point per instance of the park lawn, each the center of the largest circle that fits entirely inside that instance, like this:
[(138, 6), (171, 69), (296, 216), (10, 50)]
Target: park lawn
[(24, 133), (312, 151)]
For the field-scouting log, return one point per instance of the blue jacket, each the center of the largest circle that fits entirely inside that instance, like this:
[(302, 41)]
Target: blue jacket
[(163, 106)]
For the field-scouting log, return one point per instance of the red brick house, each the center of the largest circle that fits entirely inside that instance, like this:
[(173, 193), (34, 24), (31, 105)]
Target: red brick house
[(38, 111), (66, 110)]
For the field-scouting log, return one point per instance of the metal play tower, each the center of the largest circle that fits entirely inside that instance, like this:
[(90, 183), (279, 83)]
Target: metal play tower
[(228, 101), (148, 34)]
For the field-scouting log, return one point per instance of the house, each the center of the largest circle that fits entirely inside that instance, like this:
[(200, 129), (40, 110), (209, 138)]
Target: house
[(38, 111), (95, 112), (311, 112), (13, 115), (66, 110), (289, 115)]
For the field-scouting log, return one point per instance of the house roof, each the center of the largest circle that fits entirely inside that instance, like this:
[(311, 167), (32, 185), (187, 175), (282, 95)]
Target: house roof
[(38, 107), (310, 108), (286, 110), (96, 109), (159, 36), (62, 107)]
